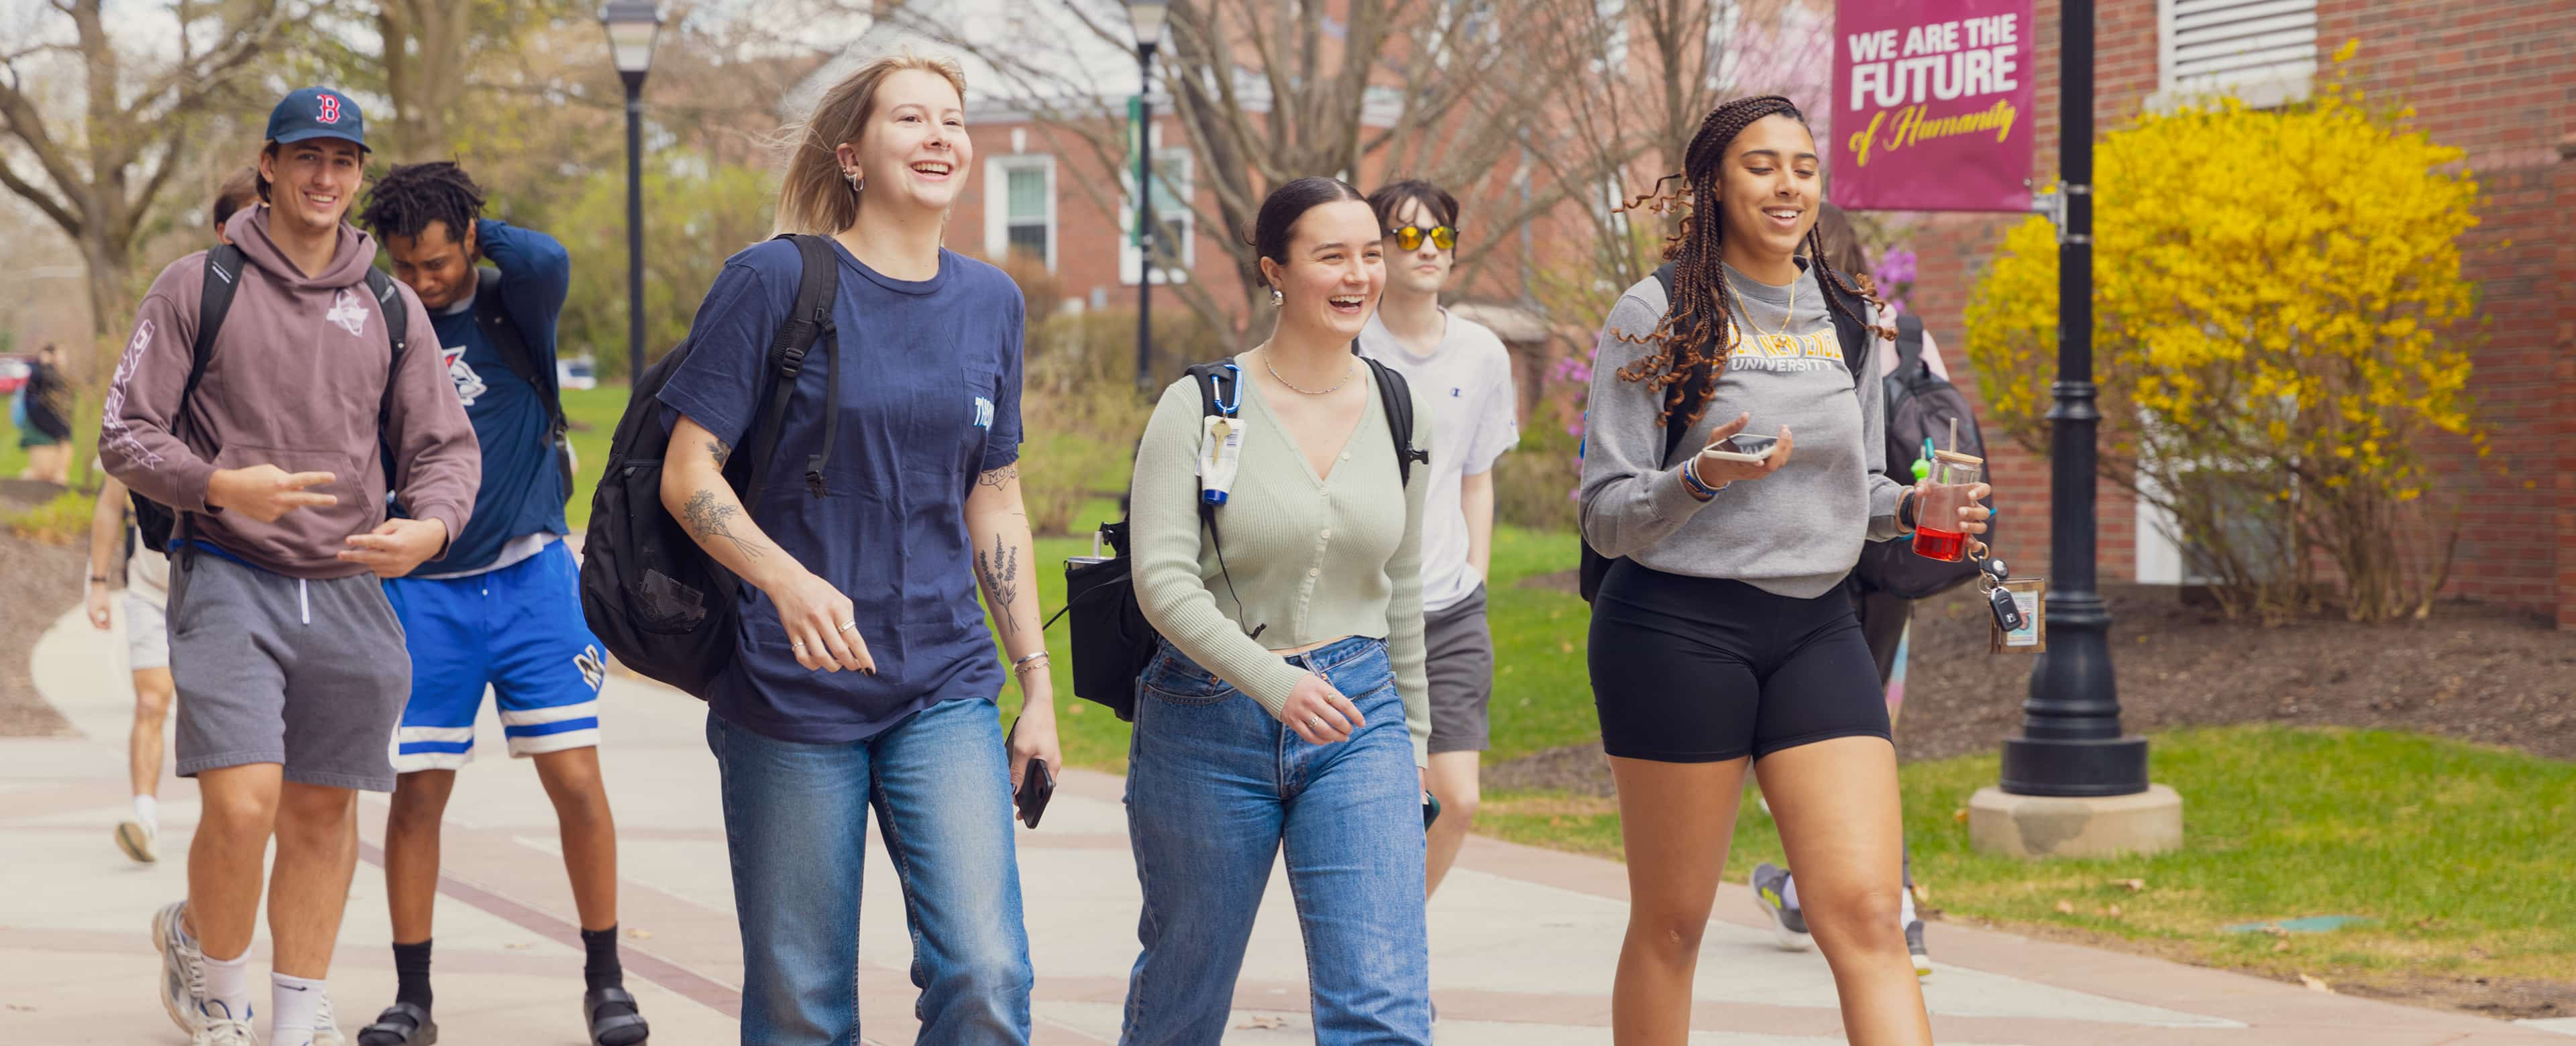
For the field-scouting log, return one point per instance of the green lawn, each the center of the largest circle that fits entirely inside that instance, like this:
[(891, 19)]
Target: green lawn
[(2457, 854)]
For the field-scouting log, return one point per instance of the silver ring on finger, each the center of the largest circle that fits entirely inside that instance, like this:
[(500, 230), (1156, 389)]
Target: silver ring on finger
[(851, 625), (798, 647)]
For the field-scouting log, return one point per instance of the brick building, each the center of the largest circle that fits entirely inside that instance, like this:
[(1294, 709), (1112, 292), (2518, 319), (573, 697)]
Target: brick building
[(2496, 78)]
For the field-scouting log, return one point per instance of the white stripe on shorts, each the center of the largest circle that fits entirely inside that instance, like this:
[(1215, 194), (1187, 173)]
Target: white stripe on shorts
[(434, 733), (540, 744), (559, 713), (419, 761)]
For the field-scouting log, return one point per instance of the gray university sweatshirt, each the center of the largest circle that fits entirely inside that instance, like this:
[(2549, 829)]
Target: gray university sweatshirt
[(1796, 532)]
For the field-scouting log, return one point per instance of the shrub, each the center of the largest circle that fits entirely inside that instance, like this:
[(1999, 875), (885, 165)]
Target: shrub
[(2275, 301)]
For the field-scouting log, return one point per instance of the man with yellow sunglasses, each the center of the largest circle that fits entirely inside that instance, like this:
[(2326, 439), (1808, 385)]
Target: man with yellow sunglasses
[(1461, 368)]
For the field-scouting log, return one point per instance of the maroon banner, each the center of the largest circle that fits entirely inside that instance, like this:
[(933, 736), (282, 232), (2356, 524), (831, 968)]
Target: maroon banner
[(1933, 105)]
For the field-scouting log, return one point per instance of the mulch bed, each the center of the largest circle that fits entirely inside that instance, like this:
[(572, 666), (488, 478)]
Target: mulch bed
[(39, 582), (2472, 672)]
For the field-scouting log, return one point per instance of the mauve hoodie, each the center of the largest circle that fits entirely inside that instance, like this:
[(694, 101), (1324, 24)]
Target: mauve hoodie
[(294, 380)]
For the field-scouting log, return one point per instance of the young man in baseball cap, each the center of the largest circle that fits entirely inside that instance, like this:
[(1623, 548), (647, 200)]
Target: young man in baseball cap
[(320, 393)]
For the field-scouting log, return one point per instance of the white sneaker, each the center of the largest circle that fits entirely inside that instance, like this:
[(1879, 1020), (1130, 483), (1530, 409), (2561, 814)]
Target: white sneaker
[(326, 1031), (225, 1031), (139, 840), (183, 970)]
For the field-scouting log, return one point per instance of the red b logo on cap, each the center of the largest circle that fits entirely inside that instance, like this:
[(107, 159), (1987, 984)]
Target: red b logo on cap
[(330, 110)]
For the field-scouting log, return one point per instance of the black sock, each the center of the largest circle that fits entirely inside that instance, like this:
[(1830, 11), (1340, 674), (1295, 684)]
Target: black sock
[(411, 969), (601, 969)]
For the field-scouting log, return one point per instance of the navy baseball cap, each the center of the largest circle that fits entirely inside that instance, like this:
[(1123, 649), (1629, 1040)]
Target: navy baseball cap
[(317, 112)]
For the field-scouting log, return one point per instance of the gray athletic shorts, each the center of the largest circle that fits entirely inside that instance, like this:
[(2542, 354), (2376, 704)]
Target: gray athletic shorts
[(274, 669), (1459, 651)]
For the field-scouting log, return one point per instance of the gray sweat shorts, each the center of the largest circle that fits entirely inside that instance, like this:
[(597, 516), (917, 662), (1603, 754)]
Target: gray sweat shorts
[(274, 669), (1458, 650)]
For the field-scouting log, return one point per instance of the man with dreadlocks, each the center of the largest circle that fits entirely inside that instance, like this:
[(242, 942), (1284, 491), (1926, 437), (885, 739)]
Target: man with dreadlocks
[(504, 610), (1720, 637)]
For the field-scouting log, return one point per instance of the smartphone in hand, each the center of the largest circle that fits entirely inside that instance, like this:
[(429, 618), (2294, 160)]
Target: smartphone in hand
[(1037, 785), (1741, 447)]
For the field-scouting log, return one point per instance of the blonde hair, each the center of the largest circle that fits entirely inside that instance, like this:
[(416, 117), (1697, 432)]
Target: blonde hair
[(814, 198)]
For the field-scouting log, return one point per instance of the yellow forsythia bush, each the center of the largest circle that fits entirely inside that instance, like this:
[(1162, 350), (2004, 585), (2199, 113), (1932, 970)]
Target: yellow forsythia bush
[(2278, 304)]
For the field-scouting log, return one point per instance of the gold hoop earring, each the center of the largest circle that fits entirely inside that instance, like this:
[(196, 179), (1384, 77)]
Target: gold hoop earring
[(1277, 299)]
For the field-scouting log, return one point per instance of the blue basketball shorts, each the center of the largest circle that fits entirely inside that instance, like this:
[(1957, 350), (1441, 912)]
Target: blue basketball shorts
[(517, 630)]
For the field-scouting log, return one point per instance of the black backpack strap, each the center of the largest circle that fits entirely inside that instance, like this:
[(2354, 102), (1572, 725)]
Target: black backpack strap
[(494, 320), (1395, 396), (223, 277), (1856, 335), (398, 332), (808, 321), (1909, 343)]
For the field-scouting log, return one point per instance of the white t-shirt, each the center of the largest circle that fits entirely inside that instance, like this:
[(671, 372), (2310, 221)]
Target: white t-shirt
[(1468, 381)]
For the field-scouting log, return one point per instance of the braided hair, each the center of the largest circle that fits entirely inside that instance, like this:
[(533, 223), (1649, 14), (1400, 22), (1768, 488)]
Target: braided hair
[(411, 196), (1697, 326)]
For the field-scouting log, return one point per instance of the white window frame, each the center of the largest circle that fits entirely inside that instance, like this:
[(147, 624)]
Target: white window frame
[(997, 203), (2285, 26), (1173, 168)]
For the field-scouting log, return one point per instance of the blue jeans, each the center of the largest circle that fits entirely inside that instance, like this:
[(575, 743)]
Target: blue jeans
[(796, 829), (1215, 785)]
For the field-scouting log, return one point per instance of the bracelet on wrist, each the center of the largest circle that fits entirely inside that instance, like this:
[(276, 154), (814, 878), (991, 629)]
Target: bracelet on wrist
[(1907, 507), (98, 579), (1698, 487), (1022, 665)]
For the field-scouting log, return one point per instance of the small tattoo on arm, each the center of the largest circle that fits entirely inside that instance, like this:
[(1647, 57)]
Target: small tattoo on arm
[(1001, 572), (719, 450), (998, 478), (706, 519)]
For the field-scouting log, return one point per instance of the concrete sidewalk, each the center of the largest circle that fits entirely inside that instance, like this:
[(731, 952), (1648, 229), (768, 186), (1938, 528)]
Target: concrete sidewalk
[(1523, 940)]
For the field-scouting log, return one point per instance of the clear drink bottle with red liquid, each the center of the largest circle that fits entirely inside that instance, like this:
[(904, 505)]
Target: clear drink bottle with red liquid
[(1936, 535)]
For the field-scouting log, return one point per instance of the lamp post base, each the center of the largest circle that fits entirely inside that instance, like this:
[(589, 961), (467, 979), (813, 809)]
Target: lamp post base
[(2075, 767), (2040, 826)]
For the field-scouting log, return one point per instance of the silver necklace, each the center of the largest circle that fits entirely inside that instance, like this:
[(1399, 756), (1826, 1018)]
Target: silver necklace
[(1347, 371)]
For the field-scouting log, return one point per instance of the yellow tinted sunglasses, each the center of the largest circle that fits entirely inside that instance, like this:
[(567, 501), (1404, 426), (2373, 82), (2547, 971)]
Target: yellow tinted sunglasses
[(1409, 237)]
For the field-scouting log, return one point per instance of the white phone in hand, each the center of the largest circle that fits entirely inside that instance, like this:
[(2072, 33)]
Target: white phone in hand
[(1752, 450)]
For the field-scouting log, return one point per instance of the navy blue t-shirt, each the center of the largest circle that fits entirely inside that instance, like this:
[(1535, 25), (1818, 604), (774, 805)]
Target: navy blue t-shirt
[(928, 377), (522, 491)]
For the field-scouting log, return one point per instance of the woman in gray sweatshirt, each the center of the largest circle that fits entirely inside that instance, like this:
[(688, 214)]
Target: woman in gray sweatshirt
[(1720, 639)]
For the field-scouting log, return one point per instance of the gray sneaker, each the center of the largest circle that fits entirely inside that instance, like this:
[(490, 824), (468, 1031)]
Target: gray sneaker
[(1914, 945), (1788, 925), (183, 970)]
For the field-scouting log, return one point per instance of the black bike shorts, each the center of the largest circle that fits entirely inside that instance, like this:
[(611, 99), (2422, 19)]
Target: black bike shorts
[(1703, 670)]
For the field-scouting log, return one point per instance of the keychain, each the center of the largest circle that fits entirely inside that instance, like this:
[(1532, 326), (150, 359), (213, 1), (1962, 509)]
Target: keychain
[(1221, 445), (2019, 608)]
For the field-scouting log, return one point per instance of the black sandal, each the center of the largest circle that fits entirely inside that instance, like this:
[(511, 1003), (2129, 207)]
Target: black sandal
[(610, 1029), (402, 1024)]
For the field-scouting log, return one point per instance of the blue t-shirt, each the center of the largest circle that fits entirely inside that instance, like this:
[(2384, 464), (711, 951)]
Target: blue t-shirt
[(522, 491), (928, 377)]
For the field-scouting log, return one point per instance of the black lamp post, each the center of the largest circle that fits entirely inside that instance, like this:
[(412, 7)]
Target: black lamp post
[(1147, 15), (632, 25), (2071, 742)]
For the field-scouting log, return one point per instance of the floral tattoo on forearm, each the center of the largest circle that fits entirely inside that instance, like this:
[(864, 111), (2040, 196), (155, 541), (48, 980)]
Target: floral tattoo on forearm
[(706, 519), (1000, 569), (719, 450)]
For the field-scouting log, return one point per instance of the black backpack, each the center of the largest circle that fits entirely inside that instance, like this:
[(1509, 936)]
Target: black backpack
[(1854, 337), (656, 600), (1920, 405), (1112, 641), (223, 277), (505, 337)]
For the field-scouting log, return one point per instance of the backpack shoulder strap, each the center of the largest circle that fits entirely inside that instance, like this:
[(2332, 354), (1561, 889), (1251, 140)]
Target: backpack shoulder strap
[(494, 320), (1220, 389), (1677, 426), (1855, 335), (1909, 343), (808, 321), (223, 277), (1395, 396), (398, 333)]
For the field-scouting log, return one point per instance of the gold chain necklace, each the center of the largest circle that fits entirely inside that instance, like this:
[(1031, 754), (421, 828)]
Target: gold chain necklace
[(1788, 318)]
